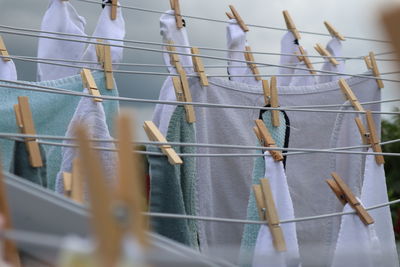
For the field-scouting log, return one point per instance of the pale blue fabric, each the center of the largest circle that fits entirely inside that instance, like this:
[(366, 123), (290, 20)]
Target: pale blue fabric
[(51, 114)]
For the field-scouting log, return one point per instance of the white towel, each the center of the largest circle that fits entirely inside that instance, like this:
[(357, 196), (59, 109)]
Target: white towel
[(303, 80), (170, 32), (335, 48), (264, 251), (8, 70), (60, 17), (288, 46), (236, 39), (107, 28)]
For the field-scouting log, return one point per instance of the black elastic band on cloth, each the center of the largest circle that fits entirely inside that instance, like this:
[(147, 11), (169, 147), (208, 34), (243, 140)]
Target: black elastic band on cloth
[(103, 5)]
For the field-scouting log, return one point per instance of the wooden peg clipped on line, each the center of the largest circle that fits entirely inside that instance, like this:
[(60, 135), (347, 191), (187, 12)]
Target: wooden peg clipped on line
[(267, 92), (333, 32), (303, 57), (229, 15), (274, 102), (24, 119), (250, 59), (154, 134), (290, 25), (363, 132), (114, 7), (199, 66), (375, 70), (67, 181), (73, 183), (346, 194), (266, 140), (103, 52), (350, 96), (367, 61), (190, 114), (175, 6), (10, 251), (272, 216), (174, 58), (324, 52), (90, 84), (373, 137), (258, 195), (3, 51), (238, 18)]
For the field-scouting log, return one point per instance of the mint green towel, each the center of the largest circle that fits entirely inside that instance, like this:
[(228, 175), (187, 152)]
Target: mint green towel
[(51, 114), (279, 134), (173, 187)]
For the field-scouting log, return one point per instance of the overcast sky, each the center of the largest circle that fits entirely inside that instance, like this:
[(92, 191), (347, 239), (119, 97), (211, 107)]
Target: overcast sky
[(352, 18)]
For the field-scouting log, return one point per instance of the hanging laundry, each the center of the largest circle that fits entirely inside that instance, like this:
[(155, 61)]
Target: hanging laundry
[(308, 79), (236, 40), (8, 70), (264, 250), (170, 32), (51, 114), (334, 47), (289, 45), (107, 28), (91, 114), (61, 17), (281, 136), (173, 187)]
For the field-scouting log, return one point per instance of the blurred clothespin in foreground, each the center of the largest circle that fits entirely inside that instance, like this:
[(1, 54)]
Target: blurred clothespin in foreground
[(333, 32), (114, 215), (3, 51), (266, 140), (304, 57), (175, 6), (290, 25), (90, 84), (324, 52), (344, 194), (104, 57), (250, 59), (239, 20), (154, 134), (199, 66), (24, 119)]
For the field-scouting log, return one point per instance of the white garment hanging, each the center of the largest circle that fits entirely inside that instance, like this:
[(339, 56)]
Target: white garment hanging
[(107, 28), (170, 32), (288, 46), (303, 80), (264, 251), (334, 47), (60, 17), (236, 40), (8, 70)]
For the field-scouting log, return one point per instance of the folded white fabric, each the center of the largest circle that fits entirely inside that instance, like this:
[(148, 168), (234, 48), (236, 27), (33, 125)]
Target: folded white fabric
[(170, 32), (107, 28), (8, 70), (335, 48), (60, 17), (264, 252), (288, 46), (236, 39)]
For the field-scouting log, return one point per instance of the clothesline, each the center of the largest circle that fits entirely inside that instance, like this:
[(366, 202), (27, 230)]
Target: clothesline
[(249, 25), (95, 38), (53, 90)]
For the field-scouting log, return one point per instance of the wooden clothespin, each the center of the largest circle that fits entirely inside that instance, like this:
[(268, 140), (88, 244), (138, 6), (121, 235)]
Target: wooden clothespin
[(73, 183), (350, 96), (24, 119), (103, 52), (290, 25), (367, 61), (154, 134), (375, 70), (303, 57), (229, 15), (266, 140), (67, 181), (363, 132), (114, 214), (3, 50), (373, 138), (259, 201), (175, 6), (114, 7), (333, 32), (250, 58), (272, 216), (90, 84), (267, 92), (238, 18), (199, 66), (344, 194), (10, 249), (324, 52), (174, 58), (274, 101)]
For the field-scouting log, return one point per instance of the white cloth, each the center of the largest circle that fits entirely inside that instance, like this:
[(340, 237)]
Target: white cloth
[(107, 28), (92, 115), (8, 70), (264, 251), (335, 48), (288, 46), (170, 32), (303, 80), (60, 17), (236, 40)]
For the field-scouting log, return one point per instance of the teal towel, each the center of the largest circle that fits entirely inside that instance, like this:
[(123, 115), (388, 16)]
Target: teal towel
[(251, 230), (173, 187), (51, 114)]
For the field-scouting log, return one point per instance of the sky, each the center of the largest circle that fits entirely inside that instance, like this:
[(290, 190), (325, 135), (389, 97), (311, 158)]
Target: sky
[(352, 18)]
